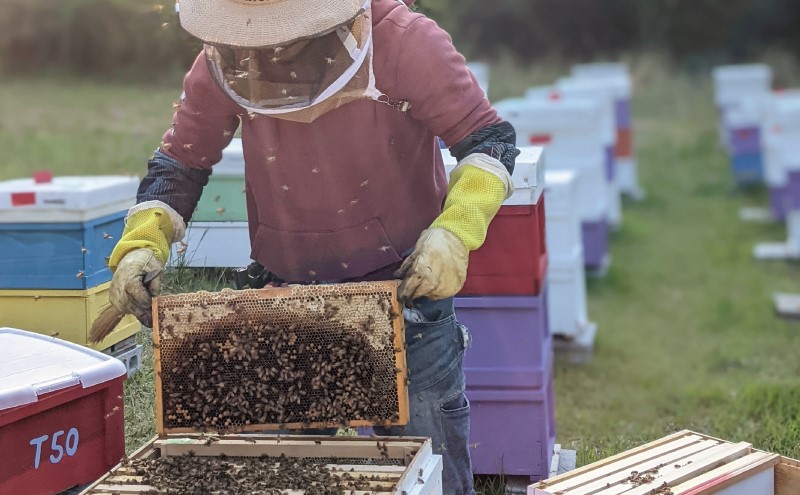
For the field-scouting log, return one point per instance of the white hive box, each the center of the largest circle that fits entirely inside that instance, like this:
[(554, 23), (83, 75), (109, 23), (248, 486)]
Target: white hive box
[(601, 69), (734, 82), (482, 72), (569, 129), (685, 463), (606, 92), (566, 299), (592, 187), (232, 162), (65, 199), (620, 85), (213, 244), (528, 175), (562, 215)]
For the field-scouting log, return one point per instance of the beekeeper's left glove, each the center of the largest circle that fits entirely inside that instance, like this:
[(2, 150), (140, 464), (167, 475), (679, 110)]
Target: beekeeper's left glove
[(139, 257), (437, 268)]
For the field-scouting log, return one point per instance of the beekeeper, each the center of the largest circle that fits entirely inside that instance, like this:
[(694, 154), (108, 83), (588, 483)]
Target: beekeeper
[(340, 103)]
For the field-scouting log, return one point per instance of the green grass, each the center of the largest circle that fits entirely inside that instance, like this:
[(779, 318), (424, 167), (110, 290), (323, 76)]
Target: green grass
[(687, 335)]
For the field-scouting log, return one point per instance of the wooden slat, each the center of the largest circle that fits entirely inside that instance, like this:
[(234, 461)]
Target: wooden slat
[(622, 464), (586, 473), (665, 459), (787, 477), (727, 475), (703, 463), (157, 368)]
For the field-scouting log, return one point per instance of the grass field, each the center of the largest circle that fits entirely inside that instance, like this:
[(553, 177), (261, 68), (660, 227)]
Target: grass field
[(687, 335)]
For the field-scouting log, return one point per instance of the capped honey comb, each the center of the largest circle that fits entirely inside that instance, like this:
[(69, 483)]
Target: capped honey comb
[(297, 357)]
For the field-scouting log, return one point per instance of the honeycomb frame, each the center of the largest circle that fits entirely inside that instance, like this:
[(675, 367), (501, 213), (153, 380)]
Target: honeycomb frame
[(353, 311)]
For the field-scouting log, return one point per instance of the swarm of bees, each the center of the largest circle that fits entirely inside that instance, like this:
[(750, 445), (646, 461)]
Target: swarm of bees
[(256, 365), (190, 475)]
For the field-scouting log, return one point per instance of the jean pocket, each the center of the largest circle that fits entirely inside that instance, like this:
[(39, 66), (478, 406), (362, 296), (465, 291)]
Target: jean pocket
[(434, 351)]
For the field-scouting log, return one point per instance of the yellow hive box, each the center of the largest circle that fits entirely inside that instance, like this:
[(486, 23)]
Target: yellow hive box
[(66, 314)]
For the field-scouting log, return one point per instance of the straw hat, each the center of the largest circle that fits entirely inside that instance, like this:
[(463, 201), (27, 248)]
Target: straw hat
[(263, 23)]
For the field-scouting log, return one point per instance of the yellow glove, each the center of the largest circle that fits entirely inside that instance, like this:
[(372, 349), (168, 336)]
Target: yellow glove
[(437, 268), (140, 255)]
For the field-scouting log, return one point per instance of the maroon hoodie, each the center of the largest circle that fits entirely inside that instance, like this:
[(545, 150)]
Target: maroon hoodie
[(346, 195)]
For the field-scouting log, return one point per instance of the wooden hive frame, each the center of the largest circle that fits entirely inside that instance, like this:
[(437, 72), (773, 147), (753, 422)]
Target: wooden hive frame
[(685, 463), (416, 470), (401, 416)]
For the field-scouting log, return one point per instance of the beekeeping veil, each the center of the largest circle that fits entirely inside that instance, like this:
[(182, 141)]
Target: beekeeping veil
[(288, 59)]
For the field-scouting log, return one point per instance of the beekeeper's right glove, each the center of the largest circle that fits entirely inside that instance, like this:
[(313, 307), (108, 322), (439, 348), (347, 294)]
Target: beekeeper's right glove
[(139, 258)]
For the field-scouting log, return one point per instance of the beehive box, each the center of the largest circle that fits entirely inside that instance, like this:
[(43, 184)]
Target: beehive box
[(513, 260), (223, 199), (61, 414), (291, 465), (72, 223), (292, 357), (685, 463), (66, 314), (213, 244)]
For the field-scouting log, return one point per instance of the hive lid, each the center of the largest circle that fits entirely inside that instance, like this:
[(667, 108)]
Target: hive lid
[(68, 193), (32, 364), (528, 174), (601, 69)]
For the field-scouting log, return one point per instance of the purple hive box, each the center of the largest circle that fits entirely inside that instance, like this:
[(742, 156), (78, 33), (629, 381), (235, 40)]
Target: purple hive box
[(509, 384), (793, 191), (513, 432), (611, 162), (622, 109), (744, 140), (511, 341), (595, 244), (778, 201)]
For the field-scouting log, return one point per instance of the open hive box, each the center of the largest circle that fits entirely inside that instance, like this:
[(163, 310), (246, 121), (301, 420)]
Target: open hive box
[(280, 358), (270, 464), (685, 463)]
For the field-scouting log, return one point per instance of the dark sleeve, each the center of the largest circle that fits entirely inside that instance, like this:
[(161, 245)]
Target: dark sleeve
[(496, 140), (174, 184)]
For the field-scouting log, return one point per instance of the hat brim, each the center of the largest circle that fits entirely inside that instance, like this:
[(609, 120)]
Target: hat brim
[(264, 23)]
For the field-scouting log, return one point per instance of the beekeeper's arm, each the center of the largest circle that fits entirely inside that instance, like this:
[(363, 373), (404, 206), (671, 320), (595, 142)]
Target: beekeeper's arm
[(202, 126), (446, 97)]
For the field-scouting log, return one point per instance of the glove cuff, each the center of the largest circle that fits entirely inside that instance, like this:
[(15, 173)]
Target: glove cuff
[(178, 225), (487, 164)]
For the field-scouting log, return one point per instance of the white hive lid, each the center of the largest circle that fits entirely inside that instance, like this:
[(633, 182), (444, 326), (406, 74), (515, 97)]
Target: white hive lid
[(552, 115), (32, 364), (481, 72), (616, 87), (67, 193), (728, 73), (232, 162), (528, 174), (601, 69)]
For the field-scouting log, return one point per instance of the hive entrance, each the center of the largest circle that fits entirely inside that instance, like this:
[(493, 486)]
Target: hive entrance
[(295, 357)]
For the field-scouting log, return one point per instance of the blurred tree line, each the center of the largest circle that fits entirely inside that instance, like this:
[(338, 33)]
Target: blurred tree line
[(141, 37)]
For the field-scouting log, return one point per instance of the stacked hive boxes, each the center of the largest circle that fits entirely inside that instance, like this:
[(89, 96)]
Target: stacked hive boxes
[(604, 94), (615, 76), (61, 413), (575, 133), (566, 283), (504, 304), (218, 235), (55, 238), (781, 140), (737, 88)]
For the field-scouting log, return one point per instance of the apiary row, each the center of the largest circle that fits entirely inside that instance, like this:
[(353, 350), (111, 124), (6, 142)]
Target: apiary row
[(56, 234)]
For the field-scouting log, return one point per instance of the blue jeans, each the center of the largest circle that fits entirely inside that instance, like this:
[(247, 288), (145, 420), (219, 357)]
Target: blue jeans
[(439, 409)]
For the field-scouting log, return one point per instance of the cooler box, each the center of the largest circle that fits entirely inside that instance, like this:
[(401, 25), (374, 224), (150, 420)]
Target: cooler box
[(61, 414), (223, 199), (58, 234), (66, 314), (513, 260)]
